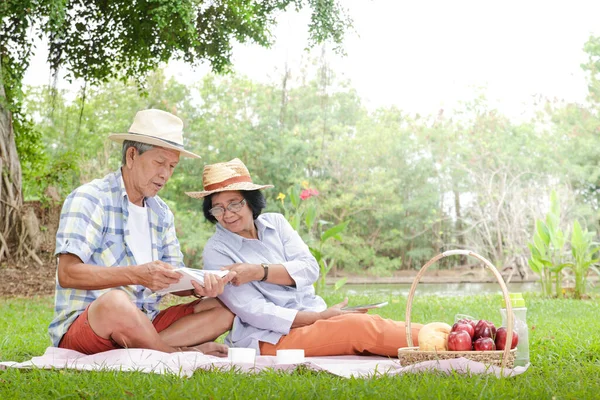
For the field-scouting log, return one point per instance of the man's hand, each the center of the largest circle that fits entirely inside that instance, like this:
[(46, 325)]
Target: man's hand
[(156, 275), (336, 310), (213, 285), (245, 273)]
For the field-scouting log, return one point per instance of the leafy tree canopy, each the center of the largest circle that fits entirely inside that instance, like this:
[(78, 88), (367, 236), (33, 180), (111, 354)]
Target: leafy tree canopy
[(101, 39)]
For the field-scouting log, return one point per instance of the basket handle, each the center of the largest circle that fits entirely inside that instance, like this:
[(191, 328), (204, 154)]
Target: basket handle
[(509, 311)]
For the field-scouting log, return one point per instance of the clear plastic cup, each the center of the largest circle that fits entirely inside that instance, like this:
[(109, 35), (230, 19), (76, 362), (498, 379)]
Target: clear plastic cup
[(458, 317)]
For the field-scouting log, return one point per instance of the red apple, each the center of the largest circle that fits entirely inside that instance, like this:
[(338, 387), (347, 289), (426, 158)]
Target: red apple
[(485, 329), (484, 344), (459, 341), (463, 327), (468, 321), (501, 335)]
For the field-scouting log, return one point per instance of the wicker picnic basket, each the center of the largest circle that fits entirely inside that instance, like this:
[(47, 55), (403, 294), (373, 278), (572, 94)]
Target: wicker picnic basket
[(502, 358)]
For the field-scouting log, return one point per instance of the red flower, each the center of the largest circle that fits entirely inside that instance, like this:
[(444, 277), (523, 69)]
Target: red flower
[(308, 193)]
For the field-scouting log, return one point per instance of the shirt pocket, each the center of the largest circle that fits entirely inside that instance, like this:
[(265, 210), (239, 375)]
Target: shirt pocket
[(113, 251)]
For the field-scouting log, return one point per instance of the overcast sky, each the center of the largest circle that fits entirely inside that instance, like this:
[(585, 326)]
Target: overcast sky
[(425, 55)]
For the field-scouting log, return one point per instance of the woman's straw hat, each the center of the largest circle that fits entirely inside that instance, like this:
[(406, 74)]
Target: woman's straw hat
[(158, 128), (230, 175)]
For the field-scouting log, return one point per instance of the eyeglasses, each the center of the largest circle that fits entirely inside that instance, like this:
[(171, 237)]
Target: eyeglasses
[(233, 207)]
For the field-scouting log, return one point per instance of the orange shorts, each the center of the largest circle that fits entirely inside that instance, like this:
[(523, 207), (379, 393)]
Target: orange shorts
[(82, 338)]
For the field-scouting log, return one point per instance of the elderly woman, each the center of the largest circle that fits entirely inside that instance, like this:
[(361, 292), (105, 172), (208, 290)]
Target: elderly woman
[(272, 295)]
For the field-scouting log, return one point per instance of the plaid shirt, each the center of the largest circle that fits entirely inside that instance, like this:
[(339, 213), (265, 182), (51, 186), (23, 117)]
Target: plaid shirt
[(93, 226)]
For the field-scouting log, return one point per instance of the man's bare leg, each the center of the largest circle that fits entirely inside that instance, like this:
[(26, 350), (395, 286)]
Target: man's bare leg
[(114, 316), (209, 321)]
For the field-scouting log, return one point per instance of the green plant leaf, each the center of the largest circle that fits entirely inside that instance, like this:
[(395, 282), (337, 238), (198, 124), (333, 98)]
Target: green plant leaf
[(339, 283), (294, 193), (324, 267), (535, 266), (311, 215), (578, 241), (558, 240), (559, 267), (316, 253), (334, 231), (295, 222), (540, 246), (546, 263), (542, 230), (534, 251)]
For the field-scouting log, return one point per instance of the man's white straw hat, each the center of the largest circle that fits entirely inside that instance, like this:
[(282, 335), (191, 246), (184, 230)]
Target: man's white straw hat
[(158, 128)]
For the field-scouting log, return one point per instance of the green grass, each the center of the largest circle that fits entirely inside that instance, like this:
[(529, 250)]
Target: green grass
[(564, 343)]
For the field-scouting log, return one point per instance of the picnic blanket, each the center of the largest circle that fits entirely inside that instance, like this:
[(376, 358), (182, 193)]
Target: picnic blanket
[(184, 364)]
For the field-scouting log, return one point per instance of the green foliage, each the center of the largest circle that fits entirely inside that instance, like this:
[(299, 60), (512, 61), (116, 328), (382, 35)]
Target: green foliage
[(413, 186), (548, 258), (34, 159), (328, 21), (592, 67), (585, 254), (547, 249), (303, 207), (74, 132), (98, 41), (327, 262)]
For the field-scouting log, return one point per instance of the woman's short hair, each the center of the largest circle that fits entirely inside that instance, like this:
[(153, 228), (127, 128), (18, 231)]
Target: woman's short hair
[(254, 198)]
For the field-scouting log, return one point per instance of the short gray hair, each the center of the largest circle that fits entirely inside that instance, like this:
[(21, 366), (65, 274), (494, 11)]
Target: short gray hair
[(140, 147)]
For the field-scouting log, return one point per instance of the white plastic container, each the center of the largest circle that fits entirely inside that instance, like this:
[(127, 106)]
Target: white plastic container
[(241, 355), (293, 356), (520, 326)]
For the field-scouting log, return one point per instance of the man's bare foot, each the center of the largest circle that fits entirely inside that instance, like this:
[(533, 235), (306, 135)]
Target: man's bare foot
[(209, 348)]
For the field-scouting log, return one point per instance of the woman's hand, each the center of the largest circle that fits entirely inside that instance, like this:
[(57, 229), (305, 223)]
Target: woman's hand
[(336, 310), (304, 318), (213, 285), (245, 273)]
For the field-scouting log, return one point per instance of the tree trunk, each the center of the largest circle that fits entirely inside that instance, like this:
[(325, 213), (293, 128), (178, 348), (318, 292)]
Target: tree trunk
[(460, 234), (11, 198), (284, 98), (324, 97)]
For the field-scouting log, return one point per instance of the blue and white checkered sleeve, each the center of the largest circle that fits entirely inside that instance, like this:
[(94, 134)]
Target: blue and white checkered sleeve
[(81, 225), (171, 251)]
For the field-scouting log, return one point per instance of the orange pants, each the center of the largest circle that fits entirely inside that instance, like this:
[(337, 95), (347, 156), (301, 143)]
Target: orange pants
[(348, 334)]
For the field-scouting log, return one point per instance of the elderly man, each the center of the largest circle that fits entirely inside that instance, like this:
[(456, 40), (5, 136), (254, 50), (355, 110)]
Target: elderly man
[(116, 246)]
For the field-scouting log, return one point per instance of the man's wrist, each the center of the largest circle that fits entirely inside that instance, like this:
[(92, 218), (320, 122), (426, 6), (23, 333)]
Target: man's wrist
[(134, 273)]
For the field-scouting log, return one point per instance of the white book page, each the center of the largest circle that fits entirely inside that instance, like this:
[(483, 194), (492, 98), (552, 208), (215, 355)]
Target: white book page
[(189, 275)]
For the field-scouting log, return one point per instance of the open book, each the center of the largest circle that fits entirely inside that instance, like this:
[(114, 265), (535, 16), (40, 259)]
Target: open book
[(189, 275)]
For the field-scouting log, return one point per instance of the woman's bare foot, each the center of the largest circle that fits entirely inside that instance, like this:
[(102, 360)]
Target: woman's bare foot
[(209, 348)]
